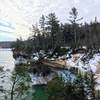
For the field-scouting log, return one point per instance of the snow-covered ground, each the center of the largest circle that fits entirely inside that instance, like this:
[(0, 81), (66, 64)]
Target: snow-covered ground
[(89, 64)]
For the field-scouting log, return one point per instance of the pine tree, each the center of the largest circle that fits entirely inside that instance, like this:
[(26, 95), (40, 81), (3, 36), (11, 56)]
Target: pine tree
[(74, 21), (52, 28)]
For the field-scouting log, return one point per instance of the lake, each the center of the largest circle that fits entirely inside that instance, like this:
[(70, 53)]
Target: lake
[(6, 59)]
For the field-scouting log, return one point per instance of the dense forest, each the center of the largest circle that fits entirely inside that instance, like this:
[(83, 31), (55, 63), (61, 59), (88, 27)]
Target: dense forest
[(50, 33)]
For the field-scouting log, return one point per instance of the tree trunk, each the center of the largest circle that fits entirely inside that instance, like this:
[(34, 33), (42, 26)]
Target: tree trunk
[(12, 90)]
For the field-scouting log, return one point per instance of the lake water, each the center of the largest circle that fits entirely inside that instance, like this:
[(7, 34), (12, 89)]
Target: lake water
[(6, 59)]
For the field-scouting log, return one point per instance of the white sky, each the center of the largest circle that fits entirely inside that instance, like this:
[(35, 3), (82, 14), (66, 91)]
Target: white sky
[(17, 16)]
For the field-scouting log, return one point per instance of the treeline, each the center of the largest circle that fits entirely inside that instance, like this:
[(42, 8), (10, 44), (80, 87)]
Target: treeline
[(50, 33)]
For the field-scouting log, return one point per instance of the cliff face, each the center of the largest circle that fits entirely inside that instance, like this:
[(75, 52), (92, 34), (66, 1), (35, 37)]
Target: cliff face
[(5, 44)]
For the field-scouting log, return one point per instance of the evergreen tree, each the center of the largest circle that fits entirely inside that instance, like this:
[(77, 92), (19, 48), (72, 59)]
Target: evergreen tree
[(52, 28), (74, 19), (42, 24)]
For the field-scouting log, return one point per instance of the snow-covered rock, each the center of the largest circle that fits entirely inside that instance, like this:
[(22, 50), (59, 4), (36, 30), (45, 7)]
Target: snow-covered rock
[(20, 60), (35, 58), (39, 80)]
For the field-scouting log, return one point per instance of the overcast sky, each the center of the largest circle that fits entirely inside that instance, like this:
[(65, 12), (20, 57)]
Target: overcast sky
[(17, 16)]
